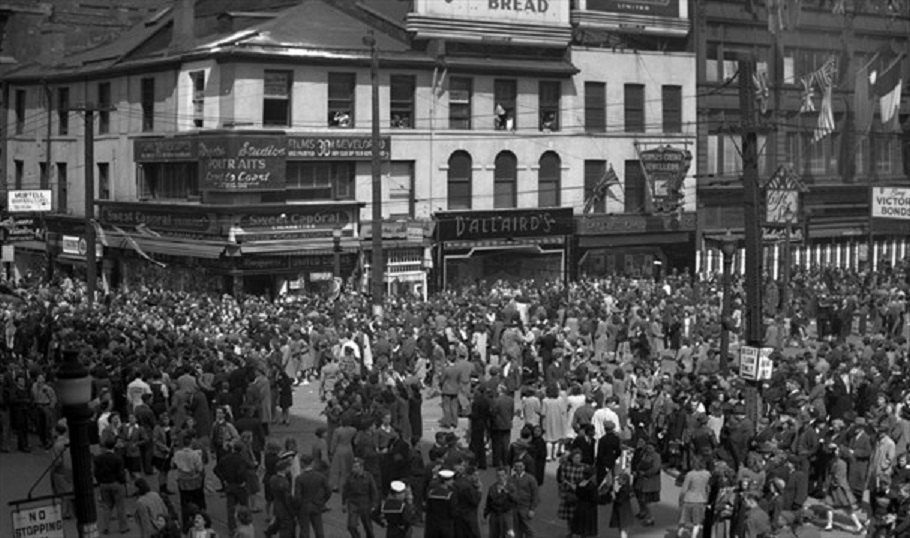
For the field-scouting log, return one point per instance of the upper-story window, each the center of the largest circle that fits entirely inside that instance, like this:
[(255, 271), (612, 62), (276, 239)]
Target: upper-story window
[(671, 101), (505, 181), (341, 99), (104, 106), (20, 111), (634, 106), (595, 107), (63, 111), (401, 101), (505, 96), (147, 97), (276, 98), (549, 94), (460, 94), (198, 80)]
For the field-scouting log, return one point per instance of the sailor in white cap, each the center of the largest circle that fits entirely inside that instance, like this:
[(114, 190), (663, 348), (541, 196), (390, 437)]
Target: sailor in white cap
[(440, 521), (398, 511)]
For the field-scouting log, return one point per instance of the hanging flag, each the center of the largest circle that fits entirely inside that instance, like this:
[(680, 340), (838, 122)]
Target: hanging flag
[(760, 81), (825, 116), (887, 88), (603, 188), (862, 103), (135, 246), (825, 79), (808, 95)]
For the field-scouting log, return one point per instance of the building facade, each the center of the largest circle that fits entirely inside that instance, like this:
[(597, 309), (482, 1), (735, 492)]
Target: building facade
[(845, 41), (232, 150)]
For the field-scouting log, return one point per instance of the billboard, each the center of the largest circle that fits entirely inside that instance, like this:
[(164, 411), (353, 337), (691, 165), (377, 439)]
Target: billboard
[(28, 201), (542, 12), (891, 203)]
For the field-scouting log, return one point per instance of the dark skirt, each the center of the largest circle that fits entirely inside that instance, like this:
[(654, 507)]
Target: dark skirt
[(621, 516), (647, 497), (162, 464)]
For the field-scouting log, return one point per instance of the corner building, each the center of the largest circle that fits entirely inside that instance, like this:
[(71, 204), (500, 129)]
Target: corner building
[(232, 149)]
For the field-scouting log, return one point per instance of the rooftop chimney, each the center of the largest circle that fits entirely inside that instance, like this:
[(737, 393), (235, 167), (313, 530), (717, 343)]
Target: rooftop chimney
[(183, 36)]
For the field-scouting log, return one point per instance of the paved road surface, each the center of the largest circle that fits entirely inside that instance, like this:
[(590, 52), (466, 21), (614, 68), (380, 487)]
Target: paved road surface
[(18, 472)]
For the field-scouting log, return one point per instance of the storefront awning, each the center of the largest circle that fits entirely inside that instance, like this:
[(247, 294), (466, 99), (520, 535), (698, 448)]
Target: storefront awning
[(211, 250), (37, 246), (291, 247), (599, 241)]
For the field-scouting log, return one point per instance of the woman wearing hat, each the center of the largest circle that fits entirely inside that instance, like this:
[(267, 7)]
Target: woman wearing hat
[(840, 495)]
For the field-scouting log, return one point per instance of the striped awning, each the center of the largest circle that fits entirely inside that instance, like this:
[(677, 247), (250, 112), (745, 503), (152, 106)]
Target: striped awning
[(505, 243)]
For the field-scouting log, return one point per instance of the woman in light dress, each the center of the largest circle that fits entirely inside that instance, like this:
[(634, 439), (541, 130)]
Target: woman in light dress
[(341, 449), (555, 414)]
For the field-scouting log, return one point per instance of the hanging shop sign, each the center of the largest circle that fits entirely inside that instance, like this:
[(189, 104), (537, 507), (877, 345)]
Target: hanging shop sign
[(782, 197), (77, 246), (506, 223), (164, 149), (26, 201), (665, 168), (663, 8), (18, 228), (891, 203), (234, 163), (336, 148)]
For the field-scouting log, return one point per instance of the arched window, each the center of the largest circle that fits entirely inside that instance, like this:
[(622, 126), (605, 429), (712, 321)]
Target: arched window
[(459, 180), (549, 180), (505, 181)]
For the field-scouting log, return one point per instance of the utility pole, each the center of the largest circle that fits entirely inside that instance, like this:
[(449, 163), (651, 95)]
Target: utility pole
[(377, 263), (91, 264), (752, 223)]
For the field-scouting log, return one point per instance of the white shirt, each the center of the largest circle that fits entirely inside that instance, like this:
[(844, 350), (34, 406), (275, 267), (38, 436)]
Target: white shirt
[(600, 418), (135, 390)]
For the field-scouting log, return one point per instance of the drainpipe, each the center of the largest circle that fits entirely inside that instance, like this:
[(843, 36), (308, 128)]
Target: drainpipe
[(49, 272)]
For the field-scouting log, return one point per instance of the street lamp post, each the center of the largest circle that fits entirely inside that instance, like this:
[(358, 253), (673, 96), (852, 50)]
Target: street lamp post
[(74, 391), (336, 251)]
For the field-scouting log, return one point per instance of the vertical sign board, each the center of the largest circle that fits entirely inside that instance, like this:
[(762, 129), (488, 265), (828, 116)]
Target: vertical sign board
[(41, 522), (755, 363), (748, 363)]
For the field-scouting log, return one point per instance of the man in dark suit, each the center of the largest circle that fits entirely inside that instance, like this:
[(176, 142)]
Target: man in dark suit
[(502, 409), (450, 384), (609, 449), (311, 493), (480, 423)]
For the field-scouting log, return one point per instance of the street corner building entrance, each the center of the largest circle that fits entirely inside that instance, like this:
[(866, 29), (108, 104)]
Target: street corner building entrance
[(503, 244)]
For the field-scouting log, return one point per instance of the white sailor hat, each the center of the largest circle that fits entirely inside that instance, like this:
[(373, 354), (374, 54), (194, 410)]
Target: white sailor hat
[(398, 486), (446, 474)]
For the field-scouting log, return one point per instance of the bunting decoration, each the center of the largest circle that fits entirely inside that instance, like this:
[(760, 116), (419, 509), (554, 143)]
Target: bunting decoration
[(135, 246), (604, 188), (824, 77), (862, 104)]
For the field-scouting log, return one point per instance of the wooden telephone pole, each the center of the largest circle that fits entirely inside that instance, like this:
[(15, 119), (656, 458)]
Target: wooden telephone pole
[(752, 225), (91, 263)]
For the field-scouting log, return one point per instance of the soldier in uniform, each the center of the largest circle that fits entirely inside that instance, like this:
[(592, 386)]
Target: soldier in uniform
[(440, 522), (398, 511)]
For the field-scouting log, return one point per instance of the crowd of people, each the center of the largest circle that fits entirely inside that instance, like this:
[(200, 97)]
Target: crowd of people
[(611, 383)]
